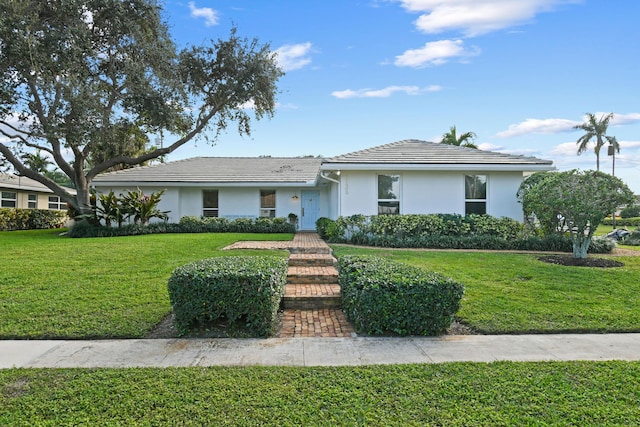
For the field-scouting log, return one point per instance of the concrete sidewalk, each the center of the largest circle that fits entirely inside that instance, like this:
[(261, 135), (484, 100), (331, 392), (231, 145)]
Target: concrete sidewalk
[(316, 351)]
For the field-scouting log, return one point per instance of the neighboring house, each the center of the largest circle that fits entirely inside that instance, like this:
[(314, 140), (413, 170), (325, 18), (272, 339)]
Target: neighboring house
[(26, 193), (405, 177)]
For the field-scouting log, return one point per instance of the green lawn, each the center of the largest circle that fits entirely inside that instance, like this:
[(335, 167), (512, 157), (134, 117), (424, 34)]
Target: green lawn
[(516, 293), (450, 394), (57, 287)]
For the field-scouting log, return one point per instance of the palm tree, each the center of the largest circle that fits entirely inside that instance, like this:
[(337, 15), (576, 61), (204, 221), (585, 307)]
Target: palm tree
[(464, 140), (37, 162), (598, 129)]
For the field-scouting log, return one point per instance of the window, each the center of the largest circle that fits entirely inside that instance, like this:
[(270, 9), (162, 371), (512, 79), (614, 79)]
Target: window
[(475, 194), (56, 203), (267, 203), (210, 203), (32, 202), (388, 194), (9, 199)]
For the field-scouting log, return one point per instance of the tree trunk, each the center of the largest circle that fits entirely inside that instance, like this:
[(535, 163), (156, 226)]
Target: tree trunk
[(580, 245)]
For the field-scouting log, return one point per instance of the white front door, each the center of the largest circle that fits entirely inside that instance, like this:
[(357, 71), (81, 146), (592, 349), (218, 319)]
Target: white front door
[(310, 209)]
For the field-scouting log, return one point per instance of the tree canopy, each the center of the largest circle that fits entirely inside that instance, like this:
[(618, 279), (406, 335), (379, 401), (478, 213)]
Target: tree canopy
[(464, 140), (596, 128), (86, 81), (577, 200)]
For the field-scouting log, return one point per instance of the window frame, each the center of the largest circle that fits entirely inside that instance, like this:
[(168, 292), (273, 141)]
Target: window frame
[(267, 211), (6, 200), (213, 211), (32, 201), (57, 204), (389, 202), (475, 201)]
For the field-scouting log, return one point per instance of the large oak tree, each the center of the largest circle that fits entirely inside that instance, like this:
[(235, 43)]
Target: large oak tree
[(84, 80)]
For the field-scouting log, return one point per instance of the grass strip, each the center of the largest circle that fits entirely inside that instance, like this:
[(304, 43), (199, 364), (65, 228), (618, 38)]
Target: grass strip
[(453, 394)]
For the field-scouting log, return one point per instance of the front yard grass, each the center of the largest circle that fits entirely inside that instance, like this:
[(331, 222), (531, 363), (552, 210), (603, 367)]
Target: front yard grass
[(58, 287), (508, 293), (450, 394)]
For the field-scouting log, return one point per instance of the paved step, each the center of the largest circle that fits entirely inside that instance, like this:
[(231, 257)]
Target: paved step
[(311, 260), (311, 250), (312, 275), (329, 322), (308, 297)]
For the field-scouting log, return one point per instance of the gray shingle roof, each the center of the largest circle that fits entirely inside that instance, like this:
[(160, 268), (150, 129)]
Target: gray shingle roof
[(222, 170), (22, 183), (414, 151)]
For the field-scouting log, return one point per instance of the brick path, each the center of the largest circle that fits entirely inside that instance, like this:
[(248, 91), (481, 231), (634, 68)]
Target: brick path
[(311, 304)]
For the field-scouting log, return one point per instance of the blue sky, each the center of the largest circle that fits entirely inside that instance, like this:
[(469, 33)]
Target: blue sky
[(518, 73)]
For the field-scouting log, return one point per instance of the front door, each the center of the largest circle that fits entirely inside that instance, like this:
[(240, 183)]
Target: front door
[(310, 209)]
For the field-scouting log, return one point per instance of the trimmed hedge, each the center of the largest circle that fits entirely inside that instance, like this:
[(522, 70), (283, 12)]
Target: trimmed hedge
[(379, 296), (622, 222), (401, 226), (30, 219), (632, 211), (188, 224), (444, 231), (240, 288)]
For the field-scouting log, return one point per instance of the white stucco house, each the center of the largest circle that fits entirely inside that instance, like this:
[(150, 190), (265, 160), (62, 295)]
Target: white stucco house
[(405, 177)]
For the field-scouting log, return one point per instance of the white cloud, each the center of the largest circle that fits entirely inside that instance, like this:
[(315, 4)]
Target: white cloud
[(434, 53), (293, 56), (385, 92), (538, 126), (210, 16), (476, 17), (622, 119)]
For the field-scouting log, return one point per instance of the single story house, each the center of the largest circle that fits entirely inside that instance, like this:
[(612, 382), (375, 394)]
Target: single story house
[(405, 177), (25, 193)]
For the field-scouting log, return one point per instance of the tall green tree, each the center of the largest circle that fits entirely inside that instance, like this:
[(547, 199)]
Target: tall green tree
[(83, 80), (37, 162), (582, 199), (464, 140), (595, 128)]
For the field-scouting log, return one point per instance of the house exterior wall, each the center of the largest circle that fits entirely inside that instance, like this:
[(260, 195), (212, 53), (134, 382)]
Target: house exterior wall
[(233, 202), (427, 192), (22, 202)]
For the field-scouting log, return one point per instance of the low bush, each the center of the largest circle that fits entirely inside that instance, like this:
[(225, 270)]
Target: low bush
[(633, 239), (632, 211), (30, 219), (238, 288), (187, 224), (446, 231), (379, 296), (622, 222)]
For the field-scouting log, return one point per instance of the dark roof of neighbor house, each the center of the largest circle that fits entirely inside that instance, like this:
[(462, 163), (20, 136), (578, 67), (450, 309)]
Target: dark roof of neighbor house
[(413, 151), (222, 170)]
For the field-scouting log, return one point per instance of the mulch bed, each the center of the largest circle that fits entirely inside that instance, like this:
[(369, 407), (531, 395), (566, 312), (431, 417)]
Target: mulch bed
[(570, 261)]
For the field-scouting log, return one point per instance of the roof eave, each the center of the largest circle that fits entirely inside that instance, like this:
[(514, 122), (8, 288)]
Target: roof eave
[(208, 184), (437, 166)]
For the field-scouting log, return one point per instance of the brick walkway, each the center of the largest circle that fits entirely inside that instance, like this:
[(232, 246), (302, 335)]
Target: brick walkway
[(311, 304)]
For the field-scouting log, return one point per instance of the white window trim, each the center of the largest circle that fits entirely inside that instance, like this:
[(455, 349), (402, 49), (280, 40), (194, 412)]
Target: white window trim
[(216, 210), (59, 203), (486, 192), (29, 201), (8, 199), (398, 200), (270, 212)]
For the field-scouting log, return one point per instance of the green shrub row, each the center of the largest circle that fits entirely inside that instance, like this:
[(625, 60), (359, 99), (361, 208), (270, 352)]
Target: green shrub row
[(193, 224), (623, 222), (633, 239), (187, 225), (30, 219), (436, 232), (379, 296), (632, 211), (401, 226), (239, 288), (552, 243)]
